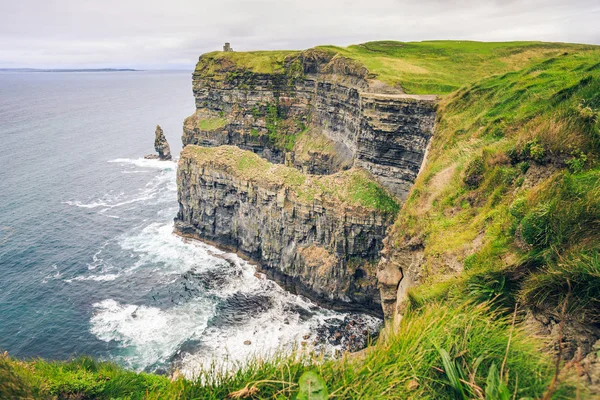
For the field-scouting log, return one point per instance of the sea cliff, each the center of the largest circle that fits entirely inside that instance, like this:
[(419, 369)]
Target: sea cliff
[(324, 120), (319, 236)]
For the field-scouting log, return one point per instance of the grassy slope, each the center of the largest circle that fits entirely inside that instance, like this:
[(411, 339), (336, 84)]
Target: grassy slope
[(259, 62), (515, 163), (513, 166)]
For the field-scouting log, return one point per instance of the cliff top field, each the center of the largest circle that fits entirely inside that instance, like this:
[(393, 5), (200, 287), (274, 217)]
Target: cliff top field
[(351, 188), (429, 67)]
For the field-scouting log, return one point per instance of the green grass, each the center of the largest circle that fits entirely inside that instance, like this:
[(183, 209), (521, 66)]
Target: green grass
[(82, 378), (431, 67), (441, 67), (536, 108), (513, 174), (351, 188), (577, 275), (258, 62), (416, 361), (365, 191), (212, 124)]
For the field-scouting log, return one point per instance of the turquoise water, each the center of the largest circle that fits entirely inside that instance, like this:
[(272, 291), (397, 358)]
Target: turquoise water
[(88, 261)]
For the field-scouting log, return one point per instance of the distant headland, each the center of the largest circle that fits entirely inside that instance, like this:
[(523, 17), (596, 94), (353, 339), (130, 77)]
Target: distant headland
[(68, 70)]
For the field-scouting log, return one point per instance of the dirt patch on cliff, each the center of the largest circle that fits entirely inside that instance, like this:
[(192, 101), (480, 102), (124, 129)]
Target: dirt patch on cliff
[(318, 257), (436, 186)]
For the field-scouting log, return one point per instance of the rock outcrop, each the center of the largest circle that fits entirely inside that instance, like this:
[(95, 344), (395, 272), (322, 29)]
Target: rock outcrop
[(399, 268), (160, 145), (369, 124), (319, 236)]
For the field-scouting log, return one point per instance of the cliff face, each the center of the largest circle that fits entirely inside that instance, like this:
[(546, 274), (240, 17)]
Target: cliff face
[(318, 236), (365, 122)]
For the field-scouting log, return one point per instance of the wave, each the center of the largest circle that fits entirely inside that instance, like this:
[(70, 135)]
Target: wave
[(147, 163), (249, 315), (105, 205), (148, 335), (56, 274), (156, 244), (97, 278)]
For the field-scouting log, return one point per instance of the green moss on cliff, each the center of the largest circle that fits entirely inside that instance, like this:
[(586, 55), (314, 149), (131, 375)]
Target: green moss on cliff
[(351, 188), (212, 124)]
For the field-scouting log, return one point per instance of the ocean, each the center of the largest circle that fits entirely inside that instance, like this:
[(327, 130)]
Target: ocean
[(88, 261)]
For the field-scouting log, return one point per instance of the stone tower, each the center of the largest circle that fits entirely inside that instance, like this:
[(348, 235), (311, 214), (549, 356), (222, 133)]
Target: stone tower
[(227, 47)]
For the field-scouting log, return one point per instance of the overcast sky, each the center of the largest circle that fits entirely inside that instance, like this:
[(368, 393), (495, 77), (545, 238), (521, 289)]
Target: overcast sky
[(171, 34)]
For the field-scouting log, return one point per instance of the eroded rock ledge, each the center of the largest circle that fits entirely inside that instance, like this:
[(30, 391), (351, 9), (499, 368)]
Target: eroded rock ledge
[(319, 236)]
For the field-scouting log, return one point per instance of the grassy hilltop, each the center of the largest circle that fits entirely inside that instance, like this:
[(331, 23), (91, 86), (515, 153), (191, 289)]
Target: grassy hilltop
[(433, 67), (510, 195)]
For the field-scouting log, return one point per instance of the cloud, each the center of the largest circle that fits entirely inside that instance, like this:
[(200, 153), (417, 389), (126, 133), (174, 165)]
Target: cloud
[(158, 34)]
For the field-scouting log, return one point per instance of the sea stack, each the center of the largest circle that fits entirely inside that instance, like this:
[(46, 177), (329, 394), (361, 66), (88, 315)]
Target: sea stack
[(161, 146)]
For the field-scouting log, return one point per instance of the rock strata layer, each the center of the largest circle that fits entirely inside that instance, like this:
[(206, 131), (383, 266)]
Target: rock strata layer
[(315, 235)]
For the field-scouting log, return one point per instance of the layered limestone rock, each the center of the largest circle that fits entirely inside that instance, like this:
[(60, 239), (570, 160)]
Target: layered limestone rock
[(270, 110), (160, 145), (319, 236)]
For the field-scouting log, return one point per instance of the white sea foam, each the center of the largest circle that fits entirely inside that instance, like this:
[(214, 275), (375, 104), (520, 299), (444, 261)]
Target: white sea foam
[(230, 347), (149, 335), (278, 327), (146, 163), (94, 204), (146, 195), (160, 189), (156, 244), (96, 278)]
